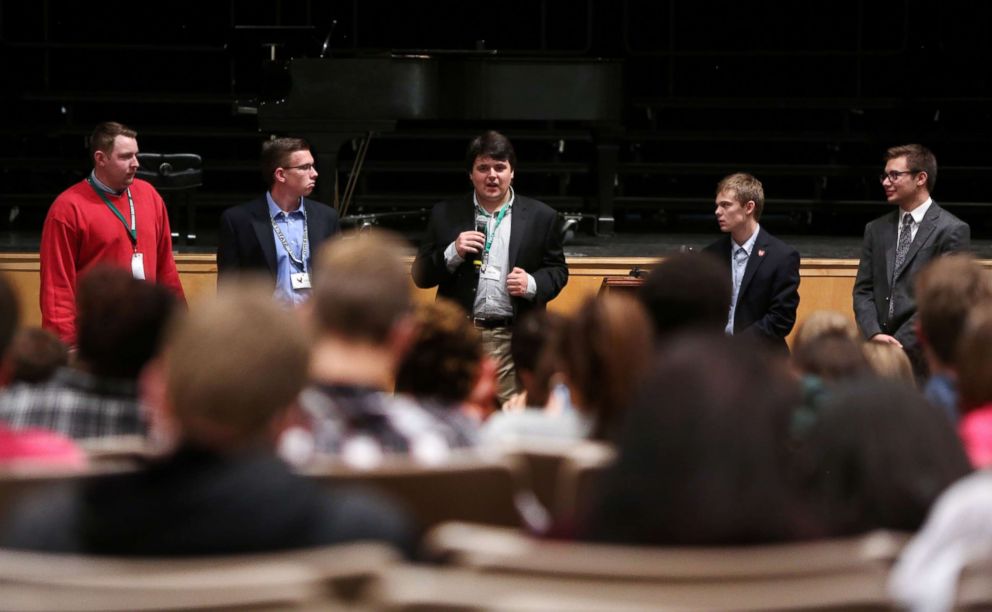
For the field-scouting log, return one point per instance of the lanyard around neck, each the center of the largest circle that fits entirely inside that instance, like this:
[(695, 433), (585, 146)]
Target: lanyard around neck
[(492, 234), (132, 230), (302, 261)]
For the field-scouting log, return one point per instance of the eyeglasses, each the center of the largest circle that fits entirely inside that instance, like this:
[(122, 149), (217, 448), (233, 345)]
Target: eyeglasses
[(894, 175), (303, 167)]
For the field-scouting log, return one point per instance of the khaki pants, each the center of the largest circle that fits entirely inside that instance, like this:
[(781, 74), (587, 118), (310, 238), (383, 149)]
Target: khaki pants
[(496, 344)]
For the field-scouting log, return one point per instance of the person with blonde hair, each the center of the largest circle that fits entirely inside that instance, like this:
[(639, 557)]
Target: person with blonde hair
[(823, 322), (889, 361)]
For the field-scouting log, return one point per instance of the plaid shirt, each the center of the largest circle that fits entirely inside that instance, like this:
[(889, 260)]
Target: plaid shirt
[(76, 404)]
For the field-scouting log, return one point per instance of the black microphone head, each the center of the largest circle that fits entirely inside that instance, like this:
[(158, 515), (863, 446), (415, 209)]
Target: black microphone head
[(481, 223)]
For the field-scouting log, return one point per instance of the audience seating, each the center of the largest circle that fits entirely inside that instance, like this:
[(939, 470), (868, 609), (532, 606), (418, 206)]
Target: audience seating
[(466, 486), (561, 472), (17, 482), (305, 579)]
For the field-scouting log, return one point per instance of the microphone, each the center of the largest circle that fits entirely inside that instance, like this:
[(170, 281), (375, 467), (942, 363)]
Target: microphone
[(481, 225)]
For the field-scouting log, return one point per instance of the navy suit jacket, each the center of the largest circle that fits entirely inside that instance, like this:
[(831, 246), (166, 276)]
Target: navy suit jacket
[(769, 293), (940, 232), (535, 246), (246, 241)]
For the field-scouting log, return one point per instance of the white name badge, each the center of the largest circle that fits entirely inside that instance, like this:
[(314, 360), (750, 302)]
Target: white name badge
[(491, 273), (300, 280), (138, 266)]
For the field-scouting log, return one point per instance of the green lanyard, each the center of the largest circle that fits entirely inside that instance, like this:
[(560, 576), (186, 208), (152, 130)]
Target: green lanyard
[(492, 234), (132, 230)]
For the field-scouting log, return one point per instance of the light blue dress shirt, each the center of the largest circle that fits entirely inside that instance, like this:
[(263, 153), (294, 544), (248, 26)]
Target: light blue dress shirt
[(739, 254), (292, 226)]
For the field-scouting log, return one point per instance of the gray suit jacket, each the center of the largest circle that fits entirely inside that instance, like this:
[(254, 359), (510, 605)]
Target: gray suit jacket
[(939, 233)]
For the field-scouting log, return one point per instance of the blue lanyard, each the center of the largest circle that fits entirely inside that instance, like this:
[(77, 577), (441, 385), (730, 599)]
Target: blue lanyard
[(492, 234)]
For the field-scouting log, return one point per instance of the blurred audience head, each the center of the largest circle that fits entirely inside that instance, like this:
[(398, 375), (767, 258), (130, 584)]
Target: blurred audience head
[(974, 360), (832, 357), (824, 322), (232, 366), (704, 453), (685, 292), (120, 321), (889, 361), (361, 288), (603, 349), (35, 355), (877, 457), (445, 359), (534, 359), (946, 291)]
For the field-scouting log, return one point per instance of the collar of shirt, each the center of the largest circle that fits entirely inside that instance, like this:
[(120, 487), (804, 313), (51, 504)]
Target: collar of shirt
[(101, 186), (509, 203), (917, 213), (275, 211), (748, 245)]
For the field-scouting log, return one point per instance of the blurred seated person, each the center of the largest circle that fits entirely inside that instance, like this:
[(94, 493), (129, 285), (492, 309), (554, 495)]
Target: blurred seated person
[(446, 369), (363, 327), (537, 371), (231, 371), (27, 447), (831, 357), (877, 457), (120, 322), (888, 361), (703, 454), (35, 355), (601, 351), (824, 322), (974, 363), (686, 292)]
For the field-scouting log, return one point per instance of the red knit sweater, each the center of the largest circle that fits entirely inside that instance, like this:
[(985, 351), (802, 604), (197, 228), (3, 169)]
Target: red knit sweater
[(80, 232)]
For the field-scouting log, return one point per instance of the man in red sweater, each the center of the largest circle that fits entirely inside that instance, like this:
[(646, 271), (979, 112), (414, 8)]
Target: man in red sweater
[(109, 217)]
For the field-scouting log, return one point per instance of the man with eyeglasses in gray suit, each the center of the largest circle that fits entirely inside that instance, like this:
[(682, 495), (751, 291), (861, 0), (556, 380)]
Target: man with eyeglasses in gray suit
[(899, 244), (278, 232)]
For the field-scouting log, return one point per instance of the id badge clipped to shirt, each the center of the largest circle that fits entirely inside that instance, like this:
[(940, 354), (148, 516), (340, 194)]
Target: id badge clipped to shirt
[(299, 280), (138, 266), (491, 273)]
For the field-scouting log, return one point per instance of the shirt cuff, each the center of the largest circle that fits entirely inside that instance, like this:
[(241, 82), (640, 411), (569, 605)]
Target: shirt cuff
[(531, 288), (451, 258)]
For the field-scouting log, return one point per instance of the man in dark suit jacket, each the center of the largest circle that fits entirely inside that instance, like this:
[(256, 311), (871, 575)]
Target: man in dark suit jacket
[(764, 271), (278, 232), (517, 264), (884, 305)]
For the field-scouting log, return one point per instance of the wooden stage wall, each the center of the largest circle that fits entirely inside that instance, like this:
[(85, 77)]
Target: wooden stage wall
[(826, 283)]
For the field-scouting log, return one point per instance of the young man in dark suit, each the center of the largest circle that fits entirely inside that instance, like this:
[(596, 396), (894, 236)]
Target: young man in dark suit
[(899, 244), (497, 253), (279, 232), (764, 271)]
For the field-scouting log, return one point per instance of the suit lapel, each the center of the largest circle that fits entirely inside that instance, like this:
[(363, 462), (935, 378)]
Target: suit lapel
[(758, 254), (927, 226), (518, 225), (262, 225), (315, 230)]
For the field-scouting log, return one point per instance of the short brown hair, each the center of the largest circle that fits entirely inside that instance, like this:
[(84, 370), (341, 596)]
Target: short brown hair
[(102, 138), (889, 361), (919, 159), (233, 363), (747, 188), (823, 322), (444, 361), (275, 155), (361, 286), (974, 359), (947, 289)]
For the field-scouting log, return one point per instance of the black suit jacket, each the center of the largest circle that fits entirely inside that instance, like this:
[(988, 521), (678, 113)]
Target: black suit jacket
[(769, 293), (940, 232), (246, 242), (535, 246)]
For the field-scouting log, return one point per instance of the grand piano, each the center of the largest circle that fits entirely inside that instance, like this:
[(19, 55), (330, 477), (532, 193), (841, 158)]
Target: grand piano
[(334, 100)]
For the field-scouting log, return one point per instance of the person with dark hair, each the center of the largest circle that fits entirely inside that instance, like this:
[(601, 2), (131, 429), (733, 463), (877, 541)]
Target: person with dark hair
[(974, 362), (863, 473), (445, 370), (231, 371), (496, 253), (831, 357), (686, 291), (109, 218), (898, 245), (764, 271), (35, 355), (704, 458), (531, 348), (120, 325), (278, 233)]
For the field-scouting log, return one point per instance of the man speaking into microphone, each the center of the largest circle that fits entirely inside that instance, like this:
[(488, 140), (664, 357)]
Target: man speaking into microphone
[(497, 253)]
